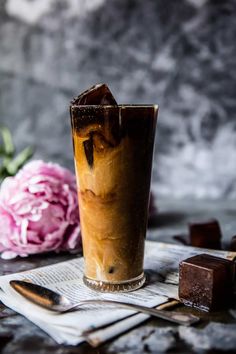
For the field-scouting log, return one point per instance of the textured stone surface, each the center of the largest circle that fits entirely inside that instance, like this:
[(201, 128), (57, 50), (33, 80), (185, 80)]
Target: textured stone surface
[(178, 54), (214, 336), (146, 339)]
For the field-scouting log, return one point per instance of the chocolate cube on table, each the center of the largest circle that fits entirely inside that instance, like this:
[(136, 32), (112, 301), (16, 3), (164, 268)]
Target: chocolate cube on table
[(205, 234), (206, 282), (233, 244)]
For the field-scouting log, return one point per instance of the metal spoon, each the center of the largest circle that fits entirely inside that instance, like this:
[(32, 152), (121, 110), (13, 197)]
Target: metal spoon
[(53, 301)]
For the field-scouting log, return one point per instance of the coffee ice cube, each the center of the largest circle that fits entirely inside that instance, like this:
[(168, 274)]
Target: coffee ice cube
[(99, 94), (88, 150), (100, 134)]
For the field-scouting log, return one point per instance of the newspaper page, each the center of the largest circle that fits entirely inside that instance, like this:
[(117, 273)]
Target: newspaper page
[(161, 267)]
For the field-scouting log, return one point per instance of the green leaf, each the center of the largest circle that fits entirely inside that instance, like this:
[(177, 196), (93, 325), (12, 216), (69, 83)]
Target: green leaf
[(2, 151), (14, 165), (3, 173), (7, 141)]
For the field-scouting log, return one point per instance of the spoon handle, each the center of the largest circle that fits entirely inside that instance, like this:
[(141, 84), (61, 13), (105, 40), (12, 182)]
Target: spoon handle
[(172, 316)]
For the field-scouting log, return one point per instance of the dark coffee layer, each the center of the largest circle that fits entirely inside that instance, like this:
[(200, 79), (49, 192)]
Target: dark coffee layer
[(104, 127)]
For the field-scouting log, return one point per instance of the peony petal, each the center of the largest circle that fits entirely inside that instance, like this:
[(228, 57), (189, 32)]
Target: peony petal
[(74, 241), (23, 235), (8, 255)]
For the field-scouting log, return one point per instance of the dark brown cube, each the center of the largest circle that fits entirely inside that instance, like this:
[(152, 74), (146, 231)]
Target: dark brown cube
[(206, 282), (233, 244), (205, 234)]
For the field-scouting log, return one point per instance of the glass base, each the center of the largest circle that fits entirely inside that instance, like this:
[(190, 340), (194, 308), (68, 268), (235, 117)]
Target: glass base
[(115, 287)]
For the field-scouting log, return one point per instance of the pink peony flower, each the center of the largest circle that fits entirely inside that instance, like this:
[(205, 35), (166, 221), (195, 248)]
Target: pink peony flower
[(39, 211)]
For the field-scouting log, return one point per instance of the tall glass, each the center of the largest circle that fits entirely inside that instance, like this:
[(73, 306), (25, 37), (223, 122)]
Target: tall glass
[(113, 150)]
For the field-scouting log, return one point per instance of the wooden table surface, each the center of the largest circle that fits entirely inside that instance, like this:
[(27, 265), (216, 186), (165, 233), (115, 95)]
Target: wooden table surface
[(215, 333)]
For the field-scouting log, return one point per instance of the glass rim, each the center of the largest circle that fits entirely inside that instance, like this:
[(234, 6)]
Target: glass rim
[(155, 106)]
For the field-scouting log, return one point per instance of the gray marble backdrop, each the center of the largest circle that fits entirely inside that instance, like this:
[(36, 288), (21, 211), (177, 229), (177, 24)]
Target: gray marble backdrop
[(179, 54)]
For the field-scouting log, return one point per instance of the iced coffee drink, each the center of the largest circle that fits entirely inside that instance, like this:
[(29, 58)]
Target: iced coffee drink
[(113, 148)]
